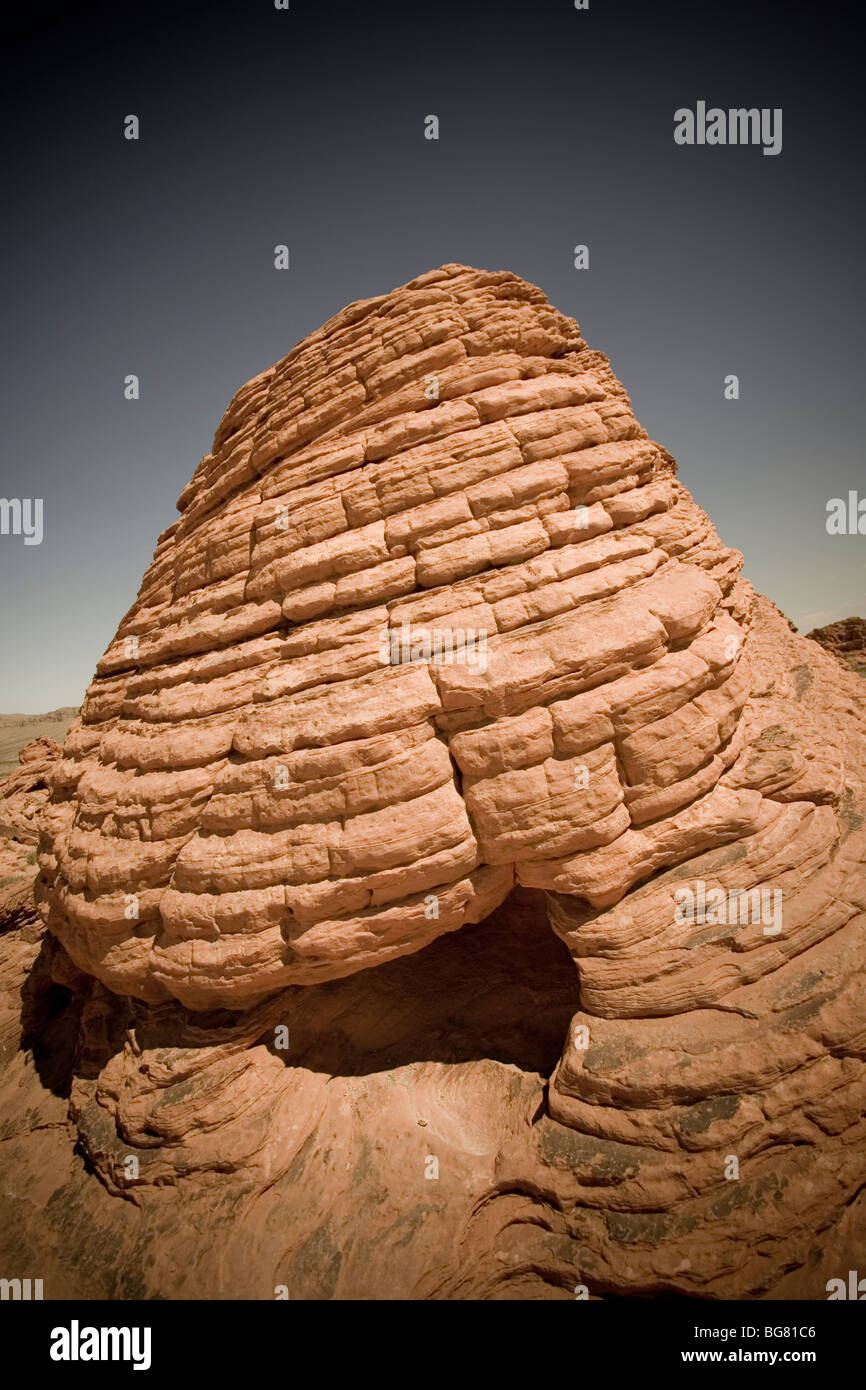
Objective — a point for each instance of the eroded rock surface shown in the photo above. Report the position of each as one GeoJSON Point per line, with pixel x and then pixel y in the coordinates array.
{"type": "Point", "coordinates": [263, 787]}
{"type": "Point", "coordinates": [845, 639]}
{"type": "Point", "coordinates": [439, 639]}
{"type": "Point", "coordinates": [23, 795]}
{"type": "Point", "coordinates": [25, 791]}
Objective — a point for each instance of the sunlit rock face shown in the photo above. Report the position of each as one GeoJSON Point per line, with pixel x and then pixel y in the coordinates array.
{"type": "Point", "coordinates": [436, 617]}
{"type": "Point", "coordinates": [438, 622]}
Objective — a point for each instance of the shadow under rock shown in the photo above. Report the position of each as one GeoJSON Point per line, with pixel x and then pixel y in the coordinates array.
{"type": "Point", "coordinates": [505, 989]}
{"type": "Point", "coordinates": [50, 1021]}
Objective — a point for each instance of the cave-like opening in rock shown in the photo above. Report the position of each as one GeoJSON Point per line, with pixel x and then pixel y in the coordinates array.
{"type": "Point", "coordinates": [505, 988]}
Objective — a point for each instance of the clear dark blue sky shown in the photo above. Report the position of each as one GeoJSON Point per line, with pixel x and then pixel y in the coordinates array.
{"type": "Point", "coordinates": [261, 126]}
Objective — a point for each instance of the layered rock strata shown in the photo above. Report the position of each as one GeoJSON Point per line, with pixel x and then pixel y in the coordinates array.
{"type": "Point", "coordinates": [25, 791]}
{"type": "Point", "coordinates": [23, 795]}
{"type": "Point", "coordinates": [438, 619]}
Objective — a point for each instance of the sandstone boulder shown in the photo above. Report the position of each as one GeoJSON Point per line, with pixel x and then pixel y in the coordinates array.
{"type": "Point", "coordinates": [431, 577]}
{"type": "Point", "coordinates": [440, 642]}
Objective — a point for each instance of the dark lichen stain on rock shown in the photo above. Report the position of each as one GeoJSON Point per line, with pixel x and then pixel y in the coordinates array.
{"type": "Point", "coordinates": [316, 1267]}
{"type": "Point", "coordinates": [803, 678]}
{"type": "Point", "coordinates": [745, 1194]}
{"type": "Point", "coordinates": [593, 1161]}
{"type": "Point", "coordinates": [801, 1013]}
{"type": "Point", "coordinates": [631, 1228]}
{"type": "Point", "coordinates": [413, 1220]}
{"type": "Point", "coordinates": [699, 1117]}
{"type": "Point", "coordinates": [851, 817]}
{"type": "Point", "coordinates": [774, 736]}
{"type": "Point", "coordinates": [605, 1057]}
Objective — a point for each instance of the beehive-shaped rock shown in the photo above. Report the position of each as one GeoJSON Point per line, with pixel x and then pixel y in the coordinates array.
{"type": "Point", "coordinates": [436, 617]}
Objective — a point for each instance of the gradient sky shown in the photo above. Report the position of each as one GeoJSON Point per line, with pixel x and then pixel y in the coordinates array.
{"type": "Point", "coordinates": [307, 127]}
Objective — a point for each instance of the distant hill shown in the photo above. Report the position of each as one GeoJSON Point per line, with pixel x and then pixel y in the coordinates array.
{"type": "Point", "coordinates": [18, 729]}
{"type": "Point", "coordinates": [846, 640]}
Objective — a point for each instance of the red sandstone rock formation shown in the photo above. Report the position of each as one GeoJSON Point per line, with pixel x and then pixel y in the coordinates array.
{"type": "Point", "coordinates": [25, 790]}
{"type": "Point", "coordinates": [23, 795]}
{"type": "Point", "coordinates": [846, 639]}
{"type": "Point", "coordinates": [278, 801]}
{"type": "Point", "coordinates": [294, 767]}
